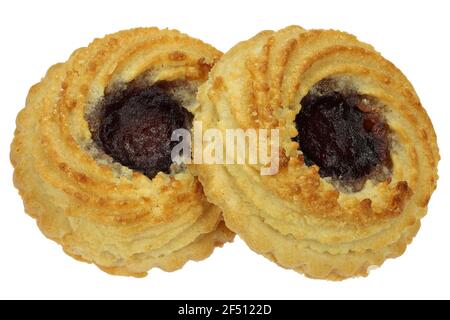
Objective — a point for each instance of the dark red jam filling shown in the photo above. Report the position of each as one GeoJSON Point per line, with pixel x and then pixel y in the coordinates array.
{"type": "Point", "coordinates": [136, 125]}
{"type": "Point", "coordinates": [344, 135]}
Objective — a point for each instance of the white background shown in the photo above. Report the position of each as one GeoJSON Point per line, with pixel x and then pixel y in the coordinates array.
{"type": "Point", "coordinates": [36, 34]}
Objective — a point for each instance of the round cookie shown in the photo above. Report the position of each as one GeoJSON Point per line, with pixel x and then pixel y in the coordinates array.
{"type": "Point", "coordinates": [358, 153]}
{"type": "Point", "coordinates": [90, 154]}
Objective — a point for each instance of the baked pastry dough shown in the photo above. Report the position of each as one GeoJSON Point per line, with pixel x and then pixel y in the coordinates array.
{"type": "Point", "coordinates": [67, 172]}
{"type": "Point", "coordinates": [358, 153]}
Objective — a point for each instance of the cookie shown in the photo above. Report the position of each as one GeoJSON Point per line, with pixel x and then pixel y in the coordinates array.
{"type": "Point", "coordinates": [92, 154]}
{"type": "Point", "coordinates": [357, 151]}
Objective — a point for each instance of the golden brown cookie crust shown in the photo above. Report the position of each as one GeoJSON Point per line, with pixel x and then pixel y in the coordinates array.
{"type": "Point", "coordinates": [98, 210]}
{"type": "Point", "coordinates": [296, 218]}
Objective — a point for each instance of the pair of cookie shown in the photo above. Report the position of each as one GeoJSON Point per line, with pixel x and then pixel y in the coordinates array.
{"type": "Point", "coordinates": [356, 152]}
